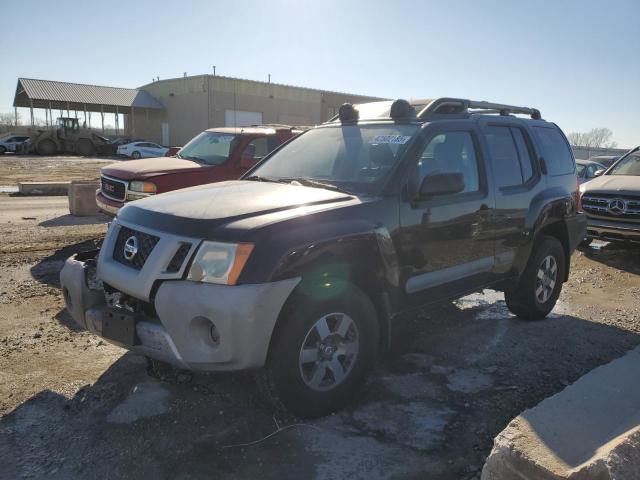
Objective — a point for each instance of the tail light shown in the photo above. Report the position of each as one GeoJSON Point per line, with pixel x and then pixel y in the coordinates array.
{"type": "Point", "coordinates": [578, 196]}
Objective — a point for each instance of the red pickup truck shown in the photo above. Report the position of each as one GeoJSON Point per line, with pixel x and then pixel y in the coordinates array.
{"type": "Point", "coordinates": [214, 155]}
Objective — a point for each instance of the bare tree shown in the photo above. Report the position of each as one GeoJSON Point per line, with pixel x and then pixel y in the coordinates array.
{"type": "Point", "coordinates": [9, 120]}
{"type": "Point", "coordinates": [594, 138]}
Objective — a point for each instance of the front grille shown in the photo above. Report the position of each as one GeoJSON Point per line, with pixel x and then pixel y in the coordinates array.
{"type": "Point", "coordinates": [146, 244]}
{"type": "Point", "coordinates": [113, 188]}
{"type": "Point", "coordinates": [179, 257]}
{"type": "Point", "coordinates": [600, 205]}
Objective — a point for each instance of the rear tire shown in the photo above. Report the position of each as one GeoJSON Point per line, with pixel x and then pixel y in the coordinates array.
{"type": "Point", "coordinates": [321, 353]}
{"type": "Point", "coordinates": [85, 148]}
{"type": "Point", "coordinates": [46, 147]}
{"type": "Point", "coordinates": [541, 282]}
{"type": "Point", "coordinates": [136, 155]}
{"type": "Point", "coordinates": [3, 150]}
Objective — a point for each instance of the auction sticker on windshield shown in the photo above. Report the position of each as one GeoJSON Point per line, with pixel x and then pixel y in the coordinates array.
{"type": "Point", "coordinates": [394, 139]}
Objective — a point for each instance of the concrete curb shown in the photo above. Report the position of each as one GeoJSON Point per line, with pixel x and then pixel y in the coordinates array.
{"type": "Point", "coordinates": [590, 430]}
{"type": "Point", "coordinates": [43, 188]}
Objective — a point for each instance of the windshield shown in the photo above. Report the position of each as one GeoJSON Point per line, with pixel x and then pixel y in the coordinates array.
{"type": "Point", "coordinates": [210, 148]}
{"type": "Point", "coordinates": [630, 165]}
{"type": "Point", "coordinates": [355, 157]}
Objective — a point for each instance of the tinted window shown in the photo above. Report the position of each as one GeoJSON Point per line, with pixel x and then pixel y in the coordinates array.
{"type": "Point", "coordinates": [257, 148]}
{"type": "Point", "coordinates": [555, 150]}
{"type": "Point", "coordinates": [523, 154]}
{"type": "Point", "coordinates": [274, 141]}
{"type": "Point", "coordinates": [451, 152]}
{"type": "Point", "coordinates": [504, 156]}
{"type": "Point", "coordinates": [580, 169]}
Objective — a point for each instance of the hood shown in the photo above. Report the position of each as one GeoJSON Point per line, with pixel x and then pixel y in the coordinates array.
{"type": "Point", "coordinates": [201, 209]}
{"type": "Point", "coordinates": [622, 184]}
{"type": "Point", "coordinates": [148, 167]}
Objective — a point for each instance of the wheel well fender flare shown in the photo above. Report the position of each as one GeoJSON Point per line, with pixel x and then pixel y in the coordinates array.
{"type": "Point", "coordinates": [367, 260]}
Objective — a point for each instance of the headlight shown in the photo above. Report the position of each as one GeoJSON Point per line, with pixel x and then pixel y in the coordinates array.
{"type": "Point", "coordinates": [143, 187]}
{"type": "Point", "coordinates": [218, 262]}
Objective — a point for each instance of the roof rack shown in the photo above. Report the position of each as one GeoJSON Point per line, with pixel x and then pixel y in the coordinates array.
{"type": "Point", "coordinates": [460, 107]}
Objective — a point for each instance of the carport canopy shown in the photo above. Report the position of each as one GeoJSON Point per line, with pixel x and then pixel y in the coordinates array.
{"type": "Point", "coordinates": [53, 95]}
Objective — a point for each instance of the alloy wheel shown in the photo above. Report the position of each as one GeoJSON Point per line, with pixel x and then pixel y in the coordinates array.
{"type": "Point", "coordinates": [329, 351]}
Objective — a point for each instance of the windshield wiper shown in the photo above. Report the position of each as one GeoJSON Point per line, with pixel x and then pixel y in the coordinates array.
{"type": "Point", "coordinates": [307, 182]}
{"type": "Point", "coordinates": [195, 159]}
{"type": "Point", "coordinates": [258, 178]}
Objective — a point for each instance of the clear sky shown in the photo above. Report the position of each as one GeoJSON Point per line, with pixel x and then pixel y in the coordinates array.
{"type": "Point", "coordinates": [577, 61]}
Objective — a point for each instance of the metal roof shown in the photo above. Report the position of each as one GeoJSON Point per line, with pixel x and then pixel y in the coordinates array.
{"type": "Point", "coordinates": [78, 96]}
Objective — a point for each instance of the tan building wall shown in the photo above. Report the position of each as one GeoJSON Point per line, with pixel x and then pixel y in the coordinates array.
{"type": "Point", "coordinates": [193, 104]}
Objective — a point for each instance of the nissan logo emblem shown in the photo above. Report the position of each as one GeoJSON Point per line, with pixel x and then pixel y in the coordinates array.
{"type": "Point", "coordinates": [130, 248]}
{"type": "Point", "coordinates": [617, 206]}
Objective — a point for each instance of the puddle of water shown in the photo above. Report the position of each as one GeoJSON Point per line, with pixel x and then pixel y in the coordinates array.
{"type": "Point", "coordinates": [416, 424]}
{"type": "Point", "coordinates": [486, 297]}
{"type": "Point", "coordinates": [8, 189]}
{"type": "Point", "coordinates": [469, 381]}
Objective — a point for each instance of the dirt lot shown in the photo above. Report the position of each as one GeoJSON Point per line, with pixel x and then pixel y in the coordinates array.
{"type": "Point", "coordinates": [25, 168]}
{"type": "Point", "coordinates": [75, 407]}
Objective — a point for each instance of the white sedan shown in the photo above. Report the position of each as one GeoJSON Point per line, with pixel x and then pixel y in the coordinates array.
{"type": "Point", "coordinates": [142, 150]}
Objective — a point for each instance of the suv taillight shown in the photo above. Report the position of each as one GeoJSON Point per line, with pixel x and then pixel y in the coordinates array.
{"type": "Point", "coordinates": [578, 196]}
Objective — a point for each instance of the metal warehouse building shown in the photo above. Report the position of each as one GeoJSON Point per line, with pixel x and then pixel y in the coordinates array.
{"type": "Point", "coordinates": [172, 111]}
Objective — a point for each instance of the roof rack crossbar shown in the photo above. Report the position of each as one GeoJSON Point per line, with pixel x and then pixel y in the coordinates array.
{"type": "Point", "coordinates": [460, 106]}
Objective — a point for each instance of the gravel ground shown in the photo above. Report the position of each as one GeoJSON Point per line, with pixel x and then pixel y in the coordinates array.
{"type": "Point", "coordinates": [27, 168]}
{"type": "Point", "coordinates": [73, 406]}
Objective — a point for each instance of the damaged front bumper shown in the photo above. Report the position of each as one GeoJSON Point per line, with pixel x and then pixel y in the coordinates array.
{"type": "Point", "coordinates": [197, 326]}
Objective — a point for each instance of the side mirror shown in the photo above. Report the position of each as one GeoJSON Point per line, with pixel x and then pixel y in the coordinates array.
{"type": "Point", "coordinates": [445, 183]}
{"type": "Point", "coordinates": [247, 161]}
{"type": "Point", "coordinates": [598, 173]}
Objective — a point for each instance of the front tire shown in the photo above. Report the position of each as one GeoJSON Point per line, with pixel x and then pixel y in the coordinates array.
{"type": "Point", "coordinates": [322, 352]}
{"type": "Point", "coordinates": [136, 155]}
{"type": "Point", "coordinates": [46, 147]}
{"type": "Point", "coordinates": [541, 282]}
{"type": "Point", "coordinates": [85, 148]}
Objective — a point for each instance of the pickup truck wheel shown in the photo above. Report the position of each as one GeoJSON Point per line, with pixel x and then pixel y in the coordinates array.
{"type": "Point", "coordinates": [136, 155]}
{"type": "Point", "coordinates": [541, 282]}
{"type": "Point", "coordinates": [322, 353]}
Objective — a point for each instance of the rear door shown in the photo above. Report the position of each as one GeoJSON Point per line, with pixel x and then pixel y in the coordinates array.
{"type": "Point", "coordinates": [445, 243]}
{"type": "Point", "coordinates": [517, 179]}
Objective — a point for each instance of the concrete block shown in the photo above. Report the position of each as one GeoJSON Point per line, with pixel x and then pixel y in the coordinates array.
{"type": "Point", "coordinates": [43, 188]}
{"type": "Point", "coordinates": [590, 430]}
{"type": "Point", "coordinates": [82, 198]}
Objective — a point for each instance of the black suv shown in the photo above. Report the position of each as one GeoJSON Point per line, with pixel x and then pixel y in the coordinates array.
{"type": "Point", "coordinates": [299, 269]}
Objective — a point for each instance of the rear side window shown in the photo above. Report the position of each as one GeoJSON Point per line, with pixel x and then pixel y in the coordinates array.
{"type": "Point", "coordinates": [510, 155]}
{"type": "Point", "coordinates": [555, 150]}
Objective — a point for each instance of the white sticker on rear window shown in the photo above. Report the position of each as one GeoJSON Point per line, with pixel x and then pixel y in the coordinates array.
{"type": "Point", "coordinates": [395, 139]}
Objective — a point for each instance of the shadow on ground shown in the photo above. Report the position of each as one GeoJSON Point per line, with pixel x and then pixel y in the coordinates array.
{"type": "Point", "coordinates": [47, 270]}
{"type": "Point", "coordinates": [622, 256]}
{"type": "Point", "coordinates": [456, 376]}
{"type": "Point", "coordinates": [72, 220]}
